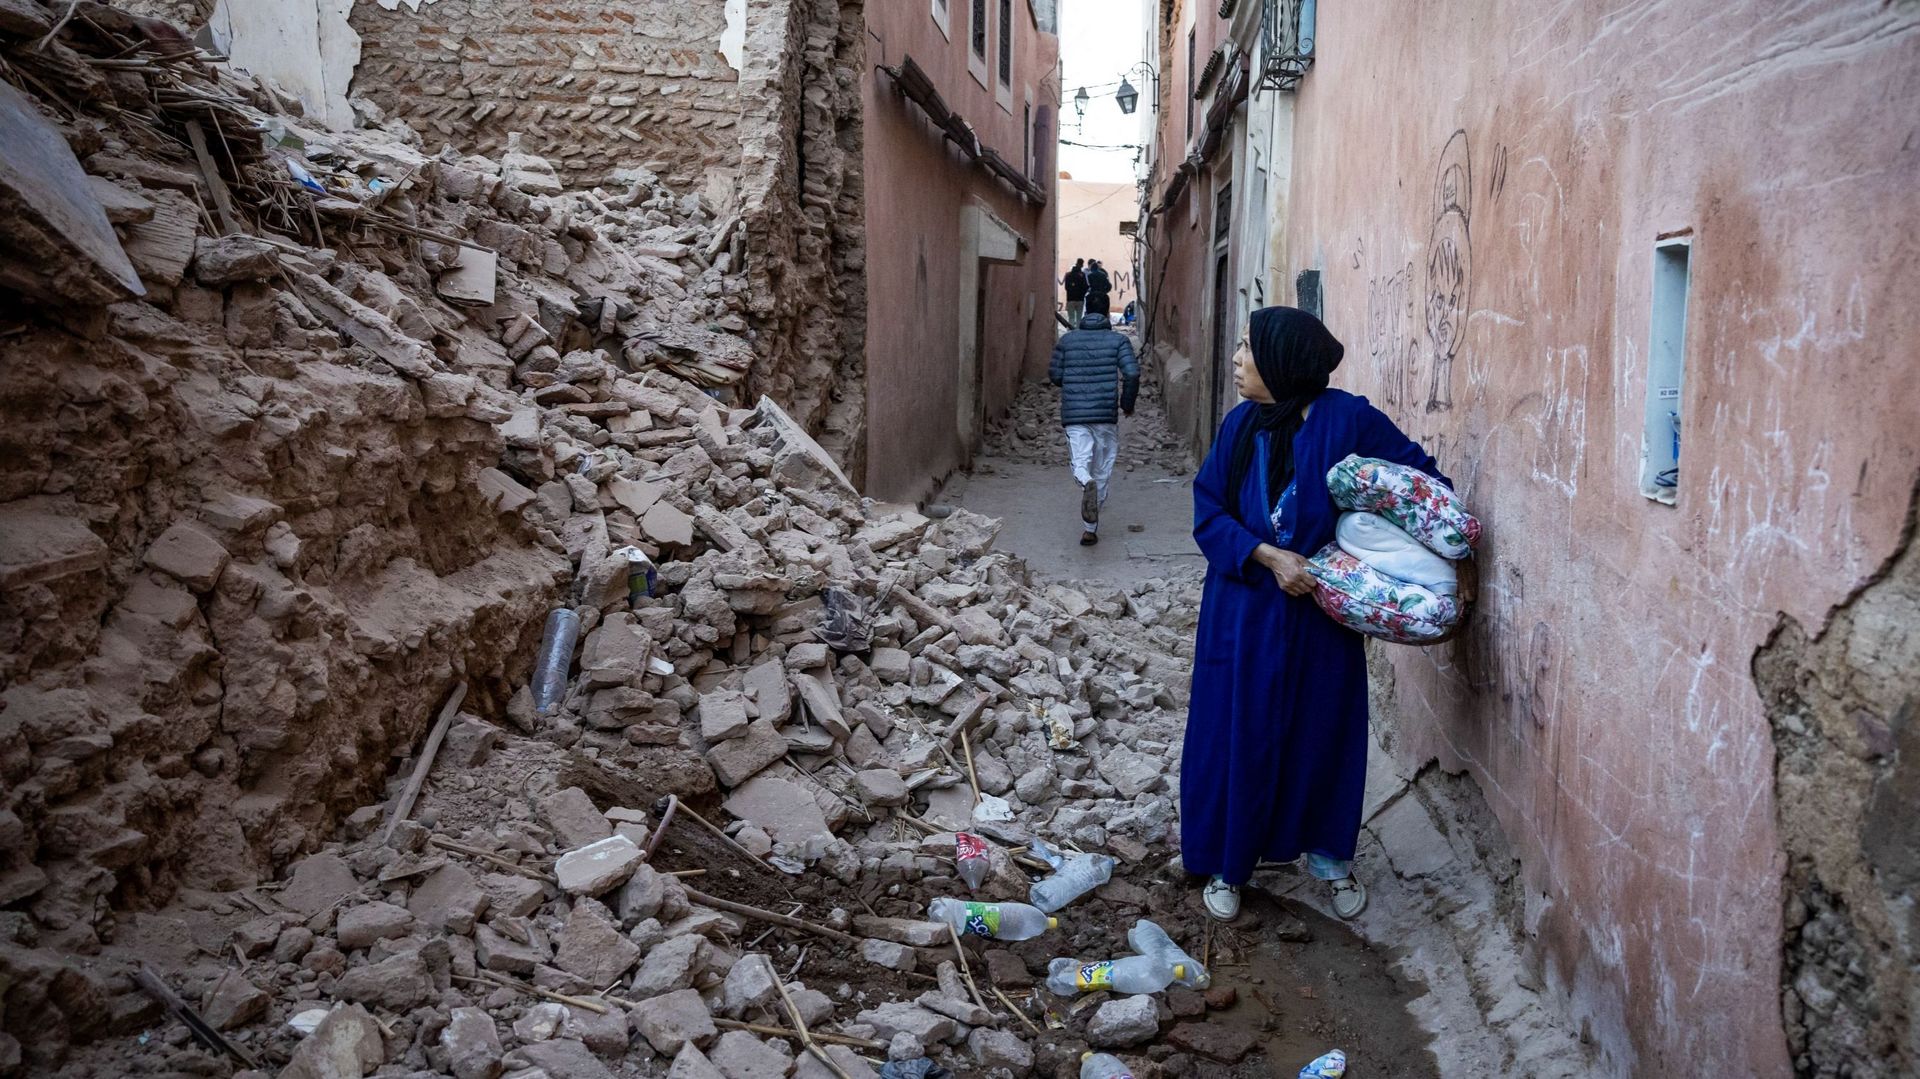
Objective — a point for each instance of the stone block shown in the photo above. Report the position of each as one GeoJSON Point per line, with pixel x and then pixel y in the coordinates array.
{"type": "Point", "coordinates": [672, 1021]}
{"type": "Point", "coordinates": [597, 867]}
{"type": "Point", "coordinates": [1123, 1022]}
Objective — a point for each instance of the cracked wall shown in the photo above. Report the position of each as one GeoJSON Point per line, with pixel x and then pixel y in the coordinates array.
{"type": "Point", "coordinates": [1840, 701]}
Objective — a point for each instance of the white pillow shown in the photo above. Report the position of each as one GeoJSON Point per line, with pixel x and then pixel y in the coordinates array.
{"type": "Point", "coordinates": [1388, 548]}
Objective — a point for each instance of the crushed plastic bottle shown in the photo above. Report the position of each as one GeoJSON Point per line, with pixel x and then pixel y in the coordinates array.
{"type": "Point", "coordinates": [971, 854]}
{"type": "Point", "coordinates": [555, 660]}
{"type": "Point", "coordinates": [1149, 939]}
{"type": "Point", "coordinates": [1073, 876]}
{"type": "Point", "coordinates": [1103, 1066]}
{"type": "Point", "coordinates": [995, 921]}
{"type": "Point", "coordinates": [1134, 974]}
{"type": "Point", "coordinates": [641, 575]}
{"type": "Point", "coordinates": [1331, 1066]}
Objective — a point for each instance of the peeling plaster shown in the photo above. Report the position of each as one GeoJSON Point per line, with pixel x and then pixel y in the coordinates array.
{"type": "Point", "coordinates": [304, 46]}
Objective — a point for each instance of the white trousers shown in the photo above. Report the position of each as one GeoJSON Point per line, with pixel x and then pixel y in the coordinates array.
{"type": "Point", "coordinates": [1094, 447]}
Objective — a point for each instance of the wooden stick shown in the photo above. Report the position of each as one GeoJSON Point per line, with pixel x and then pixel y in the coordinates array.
{"type": "Point", "coordinates": [489, 978]}
{"type": "Point", "coordinates": [222, 198]}
{"type": "Point", "coordinates": [488, 856]}
{"type": "Point", "coordinates": [404, 805]}
{"type": "Point", "coordinates": [800, 1024]}
{"type": "Point", "coordinates": [685, 873]}
{"type": "Point", "coordinates": [782, 1032]}
{"type": "Point", "coordinates": [727, 839]}
{"type": "Point", "coordinates": [1015, 1009]}
{"type": "Point", "coordinates": [966, 970]}
{"type": "Point", "coordinates": [973, 777]}
{"type": "Point", "coordinates": [746, 911]}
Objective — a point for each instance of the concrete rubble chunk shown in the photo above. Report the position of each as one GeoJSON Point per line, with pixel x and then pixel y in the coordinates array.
{"type": "Point", "coordinates": [723, 715]}
{"type": "Point", "coordinates": [911, 931]}
{"type": "Point", "coordinates": [511, 895]}
{"type": "Point", "coordinates": [672, 1021]}
{"type": "Point", "coordinates": [881, 787]}
{"type": "Point", "coordinates": [670, 966]}
{"type": "Point", "coordinates": [782, 808]}
{"type": "Point", "coordinates": [399, 983]}
{"type": "Point", "coordinates": [227, 260]}
{"type": "Point", "coordinates": [748, 985]}
{"type": "Point", "coordinates": [666, 525]}
{"type": "Point", "coordinates": [1130, 773]}
{"type": "Point", "coordinates": [362, 926]}
{"type": "Point", "coordinates": [642, 895]}
{"type": "Point", "coordinates": [691, 1063]}
{"type": "Point", "coordinates": [597, 867]}
{"type": "Point", "coordinates": [472, 1042]}
{"type": "Point", "coordinates": [233, 1002]}
{"type": "Point", "coordinates": [886, 953]}
{"type": "Point", "coordinates": [992, 1049]}
{"type": "Point", "coordinates": [318, 882]}
{"type": "Point", "coordinates": [739, 759]}
{"type": "Point", "coordinates": [347, 1044]}
{"type": "Point", "coordinates": [821, 699]}
{"type": "Point", "coordinates": [560, 1057]}
{"type": "Point", "coordinates": [189, 554]}
{"type": "Point", "coordinates": [540, 1021]}
{"type": "Point", "coordinates": [592, 946]}
{"type": "Point", "coordinates": [1123, 1022]}
{"type": "Point", "coordinates": [767, 684]}
{"type": "Point", "coordinates": [958, 1009]}
{"type": "Point", "coordinates": [38, 546]}
{"type": "Point", "coordinates": [899, 1017]}
{"type": "Point", "coordinates": [742, 1055]}
{"type": "Point", "coordinates": [56, 243]}
{"type": "Point", "coordinates": [575, 820]}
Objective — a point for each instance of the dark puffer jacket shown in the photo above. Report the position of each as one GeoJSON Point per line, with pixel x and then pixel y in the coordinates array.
{"type": "Point", "coordinates": [1096, 372]}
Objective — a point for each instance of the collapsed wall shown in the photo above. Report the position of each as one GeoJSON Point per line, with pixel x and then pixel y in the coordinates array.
{"type": "Point", "coordinates": [753, 108]}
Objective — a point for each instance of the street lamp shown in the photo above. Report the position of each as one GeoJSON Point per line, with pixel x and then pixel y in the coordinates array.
{"type": "Point", "coordinates": [1127, 96]}
{"type": "Point", "coordinates": [1080, 102]}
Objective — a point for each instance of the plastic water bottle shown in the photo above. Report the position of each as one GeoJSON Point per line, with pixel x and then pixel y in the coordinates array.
{"type": "Point", "coordinates": [1149, 939]}
{"type": "Point", "coordinates": [1331, 1066]}
{"type": "Point", "coordinates": [1103, 1066]}
{"type": "Point", "coordinates": [1134, 974]}
{"type": "Point", "coordinates": [970, 853]}
{"type": "Point", "coordinates": [1072, 877]}
{"type": "Point", "coordinates": [995, 921]}
{"type": "Point", "coordinates": [640, 574]}
{"type": "Point", "coordinates": [555, 660]}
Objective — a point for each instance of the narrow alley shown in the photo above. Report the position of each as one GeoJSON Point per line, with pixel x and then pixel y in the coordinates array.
{"type": "Point", "coordinates": [564, 540]}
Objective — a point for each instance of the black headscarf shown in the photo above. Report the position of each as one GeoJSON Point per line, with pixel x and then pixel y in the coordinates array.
{"type": "Point", "coordinates": [1295, 355]}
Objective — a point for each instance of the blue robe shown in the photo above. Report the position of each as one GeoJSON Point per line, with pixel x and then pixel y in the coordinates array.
{"type": "Point", "coordinates": [1275, 760]}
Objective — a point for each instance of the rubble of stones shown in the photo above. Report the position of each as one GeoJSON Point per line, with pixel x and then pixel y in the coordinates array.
{"type": "Point", "coordinates": [599, 338]}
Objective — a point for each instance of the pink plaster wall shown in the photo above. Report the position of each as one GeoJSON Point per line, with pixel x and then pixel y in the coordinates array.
{"type": "Point", "coordinates": [1090, 217]}
{"type": "Point", "coordinates": [1603, 701]}
{"type": "Point", "coordinates": [916, 186]}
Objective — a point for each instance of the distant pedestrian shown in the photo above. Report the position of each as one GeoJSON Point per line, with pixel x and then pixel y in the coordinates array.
{"type": "Point", "coordinates": [1076, 283]}
{"type": "Point", "coordinates": [1098, 378]}
{"type": "Point", "coordinates": [1098, 284]}
{"type": "Point", "coordinates": [1275, 757]}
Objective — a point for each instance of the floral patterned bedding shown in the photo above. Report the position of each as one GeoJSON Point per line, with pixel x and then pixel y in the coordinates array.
{"type": "Point", "coordinates": [1365, 600]}
{"type": "Point", "coordinates": [1426, 508]}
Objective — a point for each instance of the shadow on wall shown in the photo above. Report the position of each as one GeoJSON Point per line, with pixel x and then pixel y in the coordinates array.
{"type": "Point", "coordinates": [1841, 706]}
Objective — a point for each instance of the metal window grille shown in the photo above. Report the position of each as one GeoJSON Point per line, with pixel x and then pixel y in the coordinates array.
{"type": "Point", "coordinates": [979, 38]}
{"type": "Point", "coordinates": [1285, 55]}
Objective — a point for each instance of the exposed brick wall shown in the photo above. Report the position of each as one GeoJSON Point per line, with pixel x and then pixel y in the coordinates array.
{"type": "Point", "coordinates": [590, 86]}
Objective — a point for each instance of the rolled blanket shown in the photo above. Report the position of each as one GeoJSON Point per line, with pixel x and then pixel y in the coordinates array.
{"type": "Point", "coordinates": [1365, 600]}
{"type": "Point", "coordinates": [1427, 509]}
{"type": "Point", "coordinates": [1386, 547]}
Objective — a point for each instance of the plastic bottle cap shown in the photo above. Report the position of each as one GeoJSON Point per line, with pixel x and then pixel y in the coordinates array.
{"type": "Point", "coordinates": [1179, 970]}
{"type": "Point", "coordinates": [1086, 1056]}
{"type": "Point", "coordinates": [1053, 923]}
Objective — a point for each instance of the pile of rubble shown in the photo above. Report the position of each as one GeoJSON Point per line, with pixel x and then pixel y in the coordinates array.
{"type": "Point", "coordinates": [375, 410]}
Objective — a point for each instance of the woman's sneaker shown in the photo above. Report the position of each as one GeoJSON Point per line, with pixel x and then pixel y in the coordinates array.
{"type": "Point", "coordinates": [1221, 899]}
{"type": "Point", "coordinates": [1349, 897]}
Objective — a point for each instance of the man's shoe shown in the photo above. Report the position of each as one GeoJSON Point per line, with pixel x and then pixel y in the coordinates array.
{"type": "Point", "coordinates": [1088, 539]}
{"type": "Point", "coordinates": [1221, 899]}
{"type": "Point", "coordinates": [1090, 503]}
{"type": "Point", "coordinates": [1349, 897]}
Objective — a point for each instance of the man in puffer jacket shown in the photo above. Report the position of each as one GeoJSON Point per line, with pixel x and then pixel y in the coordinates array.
{"type": "Point", "coordinates": [1098, 379]}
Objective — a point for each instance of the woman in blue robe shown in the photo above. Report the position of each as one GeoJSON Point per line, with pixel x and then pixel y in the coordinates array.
{"type": "Point", "coordinates": [1275, 757]}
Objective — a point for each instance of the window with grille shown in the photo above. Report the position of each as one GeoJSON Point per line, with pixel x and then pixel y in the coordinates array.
{"type": "Point", "coordinates": [979, 34]}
